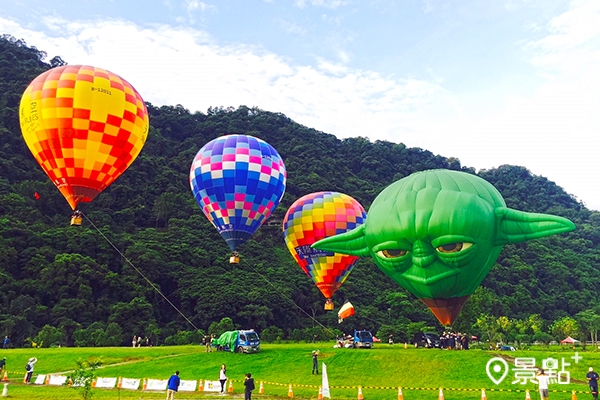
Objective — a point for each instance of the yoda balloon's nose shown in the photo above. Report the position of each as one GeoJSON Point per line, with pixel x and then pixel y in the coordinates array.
{"type": "Point", "coordinates": [423, 254]}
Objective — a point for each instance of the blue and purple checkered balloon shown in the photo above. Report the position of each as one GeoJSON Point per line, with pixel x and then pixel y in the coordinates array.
{"type": "Point", "coordinates": [238, 180]}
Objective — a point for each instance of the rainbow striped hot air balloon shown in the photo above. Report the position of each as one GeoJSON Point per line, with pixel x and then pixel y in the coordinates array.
{"type": "Point", "coordinates": [84, 126]}
{"type": "Point", "coordinates": [315, 217]}
{"type": "Point", "coordinates": [238, 180]}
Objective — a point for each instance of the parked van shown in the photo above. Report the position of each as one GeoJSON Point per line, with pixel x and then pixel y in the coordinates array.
{"type": "Point", "coordinates": [363, 339]}
{"type": "Point", "coordinates": [427, 339]}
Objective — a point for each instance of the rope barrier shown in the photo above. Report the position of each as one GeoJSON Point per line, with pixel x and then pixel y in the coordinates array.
{"type": "Point", "coordinates": [395, 388]}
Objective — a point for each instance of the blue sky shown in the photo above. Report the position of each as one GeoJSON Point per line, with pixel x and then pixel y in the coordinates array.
{"type": "Point", "coordinates": [489, 82]}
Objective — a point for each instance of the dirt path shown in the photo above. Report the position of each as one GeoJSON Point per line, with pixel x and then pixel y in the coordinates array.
{"type": "Point", "coordinates": [126, 362]}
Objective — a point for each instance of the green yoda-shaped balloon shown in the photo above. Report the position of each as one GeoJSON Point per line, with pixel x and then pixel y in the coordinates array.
{"type": "Point", "coordinates": [437, 233]}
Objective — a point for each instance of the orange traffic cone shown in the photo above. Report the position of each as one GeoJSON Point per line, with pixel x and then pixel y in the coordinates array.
{"type": "Point", "coordinates": [261, 389]}
{"type": "Point", "coordinates": [94, 383]}
{"type": "Point", "coordinates": [145, 384]}
{"type": "Point", "coordinates": [5, 379]}
{"type": "Point", "coordinates": [441, 395]}
{"type": "Point", "coordinates": [527, 395]}
{"type": "Point", "coordinates": [120, 382]}
{"type": "Point", "coordinates": [360, 394]}
{"type": "Point", "coordinates": [573, 395]}
{"type": "Point", "coordinates": [230, 390]}
{"type": "Point", "coordinates": [25, 378]}
{"type": "Point", "coordinates": [483, 396]}
{"type": "Point", "coordinates": [290, 392]}
{"type": "Point", "coordinates": [400, 395]}
{"type": "Point", "coordinates": [320, 397]}
{"type": "Point", "coordinates": [200, 385]}
{"type": "Point", "coordinates": [70, 381]}
{"type": "Point", "coordinates": [47, 379]}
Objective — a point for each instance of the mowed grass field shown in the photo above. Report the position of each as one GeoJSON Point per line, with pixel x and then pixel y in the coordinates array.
{"type": "Point", "coordinates": [379, 371]}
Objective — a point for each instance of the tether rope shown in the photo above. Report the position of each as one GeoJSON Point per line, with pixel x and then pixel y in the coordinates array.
{"type": "Point", "coordinates": [282, 295]}
{"type": "Point", "coordinates": [140, 272]}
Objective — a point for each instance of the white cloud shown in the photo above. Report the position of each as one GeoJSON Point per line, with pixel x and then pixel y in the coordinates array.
{"type": "Point", "coordinates": [320, 3]}
{"type": "Point", "coordinates": [429, 6]}
{"type": "Point", "coordinates": [552, 131]}
{"type": "Point", "coordinates": [573, 42]}
{"type": "Point", "coordinates": [193, 5]}
{"type": "Point", "coordinates": [184, 66]}
{"type": "Point", "coordinates": [291, 27]}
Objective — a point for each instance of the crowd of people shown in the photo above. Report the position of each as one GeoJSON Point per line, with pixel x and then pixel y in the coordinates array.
{"type": "Point", "coordinates": [454, 341]}
{"type": "Point", "coordinates": [346, 341]}
{"type": "Point", "coordinates": [207, 341]}
{"type": "Point", "coordinates": [137, 341]}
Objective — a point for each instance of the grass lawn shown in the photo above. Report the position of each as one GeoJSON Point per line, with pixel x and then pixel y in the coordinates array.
{"type": "Point", "coordinates": [379, 371]}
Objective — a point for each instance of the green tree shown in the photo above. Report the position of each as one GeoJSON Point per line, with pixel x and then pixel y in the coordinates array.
{"type": "Point", "coordinates": [49, 336]}
{"type": "Point", "coordinates": [271, 334]}
{"type": "Point", "coordinates": [84, 375]}
{"type": "Point", "coordinates": [224, 325]}
{"type": "Point", "coordinates": [488, 325]}
{"type": "Point", "coordinates": [589, 323]}
{"type": "Point", "coordinates": [563, 327]}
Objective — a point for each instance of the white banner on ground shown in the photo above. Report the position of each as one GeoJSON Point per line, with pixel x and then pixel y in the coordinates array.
{"type": "Point", "coordinates": [106, 382]}
{"type": "Point", "coordinates": [128, 383]}
{"type": "Point", "coordinates": [40, 380]}
{"type": "Point", "coordinates": [57, 380]}
{"type": "Point", "coordinates": [325, 382]}
{"type": "Point", "coordinates": [78, 383]}
{"type": "Point", "coordinates": [212, 386]}
{"type": "Point", "coordinates": [187, 386]}
{"type": "Point", "coordinates": [156, 384]}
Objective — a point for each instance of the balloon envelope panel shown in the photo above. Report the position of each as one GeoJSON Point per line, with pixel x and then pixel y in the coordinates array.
{"type": "Point", "coordinates": [238, 180]}
{"type": "Point", "coordinates": [84, 126]}
{"type": "Point", "coordinates": [312, 218]}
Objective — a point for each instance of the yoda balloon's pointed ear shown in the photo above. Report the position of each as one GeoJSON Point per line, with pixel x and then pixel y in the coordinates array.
{"type": "Point", "coordinates": [352, 242]}
{"type": "Point", "coordinates": [517, 226]}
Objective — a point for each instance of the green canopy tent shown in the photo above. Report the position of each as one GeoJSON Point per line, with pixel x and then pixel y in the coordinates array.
{"type": "Point", "coordinates": [228, 340]}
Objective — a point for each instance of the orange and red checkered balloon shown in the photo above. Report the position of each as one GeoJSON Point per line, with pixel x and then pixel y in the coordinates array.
{"type": "Point", "coordinates": [314, 217]}
{"type": "Point", "coordinates": [84, 126]}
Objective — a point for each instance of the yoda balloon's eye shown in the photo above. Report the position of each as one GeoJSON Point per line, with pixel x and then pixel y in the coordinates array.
{"type": "Point", "coordinates": [453, 247]}
{"type": "Point", "coordinates": [392, 253]}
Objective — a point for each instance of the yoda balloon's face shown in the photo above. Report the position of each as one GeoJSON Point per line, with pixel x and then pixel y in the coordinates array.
{"type": "Point", "coordinates": [437, 233]}
{"type": "Point", "coordinates": [442, 248]}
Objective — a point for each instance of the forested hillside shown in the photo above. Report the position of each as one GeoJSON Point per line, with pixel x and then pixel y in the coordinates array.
{"type": "Point", "coordinates": [69, 285]}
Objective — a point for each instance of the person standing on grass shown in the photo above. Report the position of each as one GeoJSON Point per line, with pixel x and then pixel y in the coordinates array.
{"type": "Point", "coordinates": [223, 377]}
{"type": "Point", "coordinates": [249, 384]}
{"type": "Point", "coordinates": [542, 380]}
{"type": "Point", "coordinates": [29, 369]}
{"type": "Point", "coordinates": [173, 385]}
{"type": "Point", "coordinates": [315, 358]}
{"type": "Point", "coordinates": [592, 378]}
{"type": "Point", "coordinates": [208, 343]}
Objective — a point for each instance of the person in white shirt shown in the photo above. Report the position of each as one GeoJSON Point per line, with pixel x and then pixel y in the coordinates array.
{"type": "Point", "coordinates": [542, 380]}
{"type": "Point", "coordinates": [29, 369]}
{"type": "Point", "coordinates": [223, 377]}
